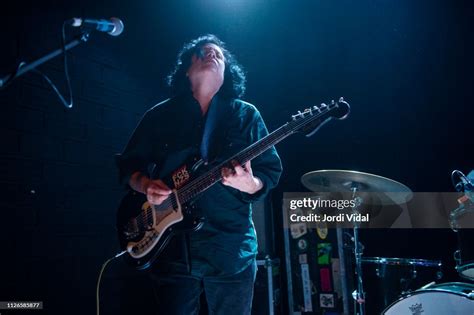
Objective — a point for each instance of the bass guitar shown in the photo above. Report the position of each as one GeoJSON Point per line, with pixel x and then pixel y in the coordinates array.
{"type": "Point", "coordinates": [145, 229]}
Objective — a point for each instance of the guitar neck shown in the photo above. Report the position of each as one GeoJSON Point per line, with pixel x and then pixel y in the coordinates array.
{"type": "Point", "coordinates": [205, 181]}
{"type": "Point", "coordinates": [313, 118]}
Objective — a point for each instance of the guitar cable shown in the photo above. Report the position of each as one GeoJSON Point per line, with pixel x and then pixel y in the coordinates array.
{"type": "Point", "coordinates": [100, 277]}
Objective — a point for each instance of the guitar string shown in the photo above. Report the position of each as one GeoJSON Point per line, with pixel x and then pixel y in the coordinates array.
{"type": "Point", "coordinates": [206, 180]}
{"type": "Point", "coordinates": [209, 179]}
{"type": "Point", "coordinates": [215, 175]}
{"type": "Point", "coordinates": [251, 149]}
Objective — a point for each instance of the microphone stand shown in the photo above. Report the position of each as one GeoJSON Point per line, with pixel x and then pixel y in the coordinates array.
{"type": "Point", "coordinates": [24, 68]}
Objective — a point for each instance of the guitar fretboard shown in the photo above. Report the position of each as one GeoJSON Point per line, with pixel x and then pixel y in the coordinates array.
{"type": "Point", "coordinates": [205, 181]}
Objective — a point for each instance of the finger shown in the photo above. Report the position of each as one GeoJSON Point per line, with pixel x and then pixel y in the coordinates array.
{"type": "Point", "coordinates": [160, 199]}
{"type": "Point", "coordinates": [226, 172]}
{"type": "Point", "coordinates": [156, 189]}
{"type": "Point", "coordinates": [151, 199]}
{"type": "Point", "coordinates": [162, 185]}
{"type": "Point", "coordinates": [239, 170]}
{"type": "Point", "coordinates": [156, 199]}
{"type": "Point", "coordinates": [248, 166]}
{"type": "Point", "coordinates": [227, 180]}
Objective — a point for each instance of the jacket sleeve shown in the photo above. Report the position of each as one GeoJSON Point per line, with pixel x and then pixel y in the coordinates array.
{"type": "Point", "coordinates": [266, 166]}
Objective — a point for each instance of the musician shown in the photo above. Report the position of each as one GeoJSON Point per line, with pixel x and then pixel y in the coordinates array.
{"type": "Point", "coordinates": [204, 117]}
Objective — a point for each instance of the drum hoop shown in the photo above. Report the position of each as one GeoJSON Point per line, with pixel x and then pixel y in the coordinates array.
{"type": "Point", "coordinates": [463, 267]}
{"type": "Point", "coordinates": [433, 290]}
{"type": "Point", "coordinates": [402, 261]}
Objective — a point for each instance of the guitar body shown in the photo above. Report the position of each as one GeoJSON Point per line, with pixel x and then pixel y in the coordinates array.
{"type": "Point", "coordinates": [144, 230]}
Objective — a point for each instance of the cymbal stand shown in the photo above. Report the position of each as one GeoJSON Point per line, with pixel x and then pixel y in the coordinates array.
{"type": "Point", "coordinates": [358, 295]}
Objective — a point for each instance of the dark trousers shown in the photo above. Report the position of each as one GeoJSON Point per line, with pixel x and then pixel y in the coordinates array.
{"type": "Point", "coordinates": [179, 294]}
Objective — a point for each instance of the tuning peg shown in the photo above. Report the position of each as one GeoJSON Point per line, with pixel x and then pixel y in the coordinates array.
{"type": "Point", "coordinates": [332, 102]}
{"type": "Point", "coordinates": [298, 115]}
{"type": "Point", "coordinates": [341, 99]}
{"type": "Point", "coordinates": [323, 106]}
{"type": "Point", "coordinates": [315, 107]}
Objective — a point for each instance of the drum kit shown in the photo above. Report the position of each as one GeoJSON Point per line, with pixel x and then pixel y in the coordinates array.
{"type": "Point", "coordinates": [398, 285]}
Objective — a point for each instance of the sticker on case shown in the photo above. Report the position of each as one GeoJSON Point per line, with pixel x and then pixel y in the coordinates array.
{"type": "Point", "coordinates": [303, 258]}
{"type": "Point", "coordinates": [302, 244]}
{"type": "Point", "coordinates": [322, 230]}
{"type": "Point", "coordinates": [308, 305]}
{"type": "Point", "coordinates": [325, 280]}
{"type": "Point", "coordinates": [324, 253]}
{"type": "Point", "coordinates": [298, 229]}
{"type": "Point", "coordinates": [326, 300]}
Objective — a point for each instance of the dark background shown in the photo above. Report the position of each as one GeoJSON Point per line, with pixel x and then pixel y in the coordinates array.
{"type": "Point", "coordinates": [405, 67]}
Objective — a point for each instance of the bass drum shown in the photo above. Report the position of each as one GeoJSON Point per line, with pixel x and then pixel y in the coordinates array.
{"type": "Point", "coordinates": [386, 279]}
{"type": "Point", "coordinates": [454, 298]}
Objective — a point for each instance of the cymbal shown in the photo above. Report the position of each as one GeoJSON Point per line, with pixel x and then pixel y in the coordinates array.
{"type": "Point", "coordinates": [388, 191]}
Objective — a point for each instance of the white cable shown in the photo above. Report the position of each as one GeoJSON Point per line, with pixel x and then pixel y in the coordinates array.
{"type": "Point", "coordinates": [100, 277]}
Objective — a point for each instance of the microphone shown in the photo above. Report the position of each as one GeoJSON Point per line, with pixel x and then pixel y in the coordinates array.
{"type": "Point", "coordinates": [112, 26]}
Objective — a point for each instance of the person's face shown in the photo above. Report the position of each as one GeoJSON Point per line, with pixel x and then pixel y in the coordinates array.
{"type": "Point", "coordinates": [208, 64]}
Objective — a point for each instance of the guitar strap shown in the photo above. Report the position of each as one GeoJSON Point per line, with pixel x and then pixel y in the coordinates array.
{"type": "Point", "coordinates": [216, 126]}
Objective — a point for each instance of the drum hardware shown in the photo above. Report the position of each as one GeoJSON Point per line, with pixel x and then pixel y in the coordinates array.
{"type": "Point", "coordinates": [384, 192]}
{"type": "Point", "coordinates": [464, 256]}
{"type": "Point", "coordinates": [358, 295]}
{"type": "Point", "coordinates": [428, 285]}
{"type": "Point", "coordinates": [465, 207]}
{"type": "Point", "coordinates": [464, 183]}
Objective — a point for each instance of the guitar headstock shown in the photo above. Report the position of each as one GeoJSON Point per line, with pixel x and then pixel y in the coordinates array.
{"type": "Point", "coordinates": [312, 118]}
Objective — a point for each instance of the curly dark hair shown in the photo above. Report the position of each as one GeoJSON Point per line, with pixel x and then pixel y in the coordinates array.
{"type": "Point", "coordinates": [234, 76]}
